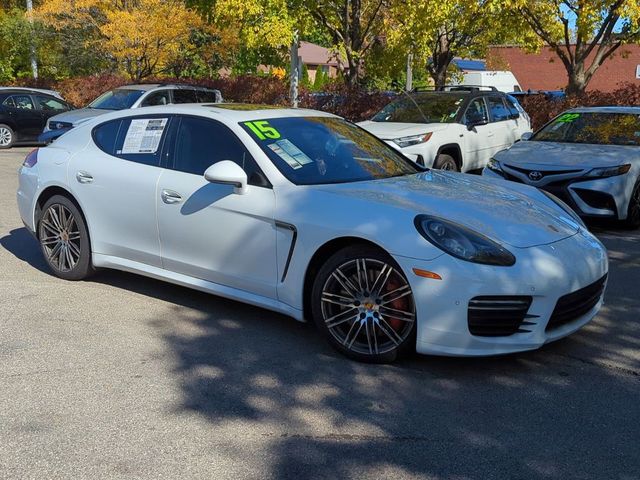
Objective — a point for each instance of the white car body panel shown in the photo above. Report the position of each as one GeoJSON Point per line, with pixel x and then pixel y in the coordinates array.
{"type": "Point", "coordinates": [257, 247]}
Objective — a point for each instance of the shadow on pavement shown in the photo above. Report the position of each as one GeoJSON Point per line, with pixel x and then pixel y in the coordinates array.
{"type": "Point", "coordinates": [21, 243]}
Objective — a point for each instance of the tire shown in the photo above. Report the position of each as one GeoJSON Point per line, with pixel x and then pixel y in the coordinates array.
{"type": "Point", "coordinates": [351, 310]}
{"type": "Point", "coordinates": [64, 239]}
{"type": "Point", "coordinates": [446, 162]}
{"type": "Point", "coordinates": [632, 221]}
{"type": "Point", "coordinates": [7, 136]}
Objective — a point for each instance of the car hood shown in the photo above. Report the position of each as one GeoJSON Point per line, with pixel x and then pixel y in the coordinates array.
{"type": "Point", "coordinates": [541, 155]}
{"type": "Point", "coordinates": [76, 117]}
{"type": "Point", "coordinates": [516, 214]}
{"type": "Point", "coordinates": [391, 130]}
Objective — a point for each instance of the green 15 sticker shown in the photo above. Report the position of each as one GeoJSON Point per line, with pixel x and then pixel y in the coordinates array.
{"type": "Point", "coordinates": [263, 130]}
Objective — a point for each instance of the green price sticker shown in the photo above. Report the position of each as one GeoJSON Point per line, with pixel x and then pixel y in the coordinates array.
{"type": "Point", "coordinates": [263, 130]}
{"type": "Point", "coordinates": [568, 117]}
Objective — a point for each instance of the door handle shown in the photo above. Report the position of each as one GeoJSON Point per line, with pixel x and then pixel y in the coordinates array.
{"type": "Point", "coordinates": [84, 177]}
{"type": "Point", "coordinates": [169, 196]}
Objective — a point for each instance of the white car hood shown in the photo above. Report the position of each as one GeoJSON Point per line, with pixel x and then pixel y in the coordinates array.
{"type": "Point", "coordinates": [541, 155]}
{"type": "Point", "coordinates": [391, 130]}
{"type": "Point", "coordinates": [516, 214]}
{"type": "Point", "coordinates": [76, 117]}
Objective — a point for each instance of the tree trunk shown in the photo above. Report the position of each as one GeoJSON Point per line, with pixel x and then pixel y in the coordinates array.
{"type": "Point", "coordinates": [578, 80]}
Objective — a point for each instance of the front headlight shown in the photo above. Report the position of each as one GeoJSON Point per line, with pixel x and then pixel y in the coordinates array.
{"type": "Point", "coordinates": [608, 171]}
{"type": "Point", "coordinates": [462, 242]}
{"type": "Point", "coordinates": [412, 140]}
{"type": "Point", "coordinates": [494, 166]}
{"type": "Point", "coordinates": [564, 207]}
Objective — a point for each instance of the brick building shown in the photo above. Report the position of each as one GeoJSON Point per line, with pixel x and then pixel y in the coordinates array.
{"type": "Point", "coordinates": [545, 71]}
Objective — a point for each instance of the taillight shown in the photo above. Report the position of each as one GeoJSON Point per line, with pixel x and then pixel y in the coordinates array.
{"type": "Point", "coordinates": [31, 159]}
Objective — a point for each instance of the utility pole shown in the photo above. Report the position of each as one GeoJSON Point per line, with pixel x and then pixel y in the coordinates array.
{"type": "Point", "coordinates": [409, 85]}
{"type": "Point", "coordinates": [34, 61]}
{"type": "Point", "coordinates": [295, 71]}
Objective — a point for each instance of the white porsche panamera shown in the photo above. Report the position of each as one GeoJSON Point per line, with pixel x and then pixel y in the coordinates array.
{"type": "Point", "coordinates": [301, 212]}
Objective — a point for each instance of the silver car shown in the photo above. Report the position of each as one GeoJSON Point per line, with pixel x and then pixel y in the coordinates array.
{"type": "Point", "coordinates": [133, 96]}
{"type": "Point", "coordinates": [588, 157]}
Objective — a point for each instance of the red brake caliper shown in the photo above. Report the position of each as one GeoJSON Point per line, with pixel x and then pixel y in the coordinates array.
{"type": "Point", "coordinates": [399, 304]}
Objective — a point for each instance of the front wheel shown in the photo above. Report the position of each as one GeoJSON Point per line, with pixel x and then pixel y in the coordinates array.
{"type": "Point", "coordinates": [446, 162]}
{"type": "Point", "coordinates": [633, 212]}
{"type": "Point", "coordinates": [64, 239]}
{"type": "Point", "coordinates": [364, 305]}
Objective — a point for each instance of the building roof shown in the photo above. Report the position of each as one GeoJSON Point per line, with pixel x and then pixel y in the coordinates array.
{"type": "Point", "coordinates": [313, 54]}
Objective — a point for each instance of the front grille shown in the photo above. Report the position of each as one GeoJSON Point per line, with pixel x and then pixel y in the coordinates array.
{"type": "Point", "coordinates": [574, 305]}
{"type": "Point", "coordinates": [543, 173]}
{"type": "Point", "coordinates": [498, 316]}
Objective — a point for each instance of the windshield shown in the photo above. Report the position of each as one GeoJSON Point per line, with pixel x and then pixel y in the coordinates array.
{"type": "Point", "coordinates": [319, 150]}
{"type": "Point", "coordinates": [433, 108]}
{"type": "Point", "coordinates": [118, 99]}
{"type": "Point", "coordinates": [592, 127]}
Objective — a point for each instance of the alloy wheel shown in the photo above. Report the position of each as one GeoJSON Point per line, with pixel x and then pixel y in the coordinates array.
{"type": "Point", "coordinates": [5, 137]}
{"type": "Point", "coordinates": [367, 306]}
{"type": "Point", "coordinates": [60, 238]}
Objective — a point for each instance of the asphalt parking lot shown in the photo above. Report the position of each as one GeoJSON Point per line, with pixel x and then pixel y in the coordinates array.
{"type": "Point", "coordinates": [127, 377]}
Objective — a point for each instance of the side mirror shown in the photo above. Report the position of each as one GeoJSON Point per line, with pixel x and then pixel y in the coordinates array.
{"type": "Point", "coordinates": [526, 136]}
{"type": "Point", "coordinates": [227, 172]}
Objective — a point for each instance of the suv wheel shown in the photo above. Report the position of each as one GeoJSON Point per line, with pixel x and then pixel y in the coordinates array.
{"type": "Point", "coordinates": [446, 162]}
{"type": "Point", "coordinates": [633, 212]}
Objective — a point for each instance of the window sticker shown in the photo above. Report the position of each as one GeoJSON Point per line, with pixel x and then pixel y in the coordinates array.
{"type": "Point", "coordinates": [263, 130]}
{"type": "Point", "coordinates": [291, 154]}
{"type": "Point", "coordinates": [143, 135]}
{"type": "Point", "coordinates": [568, 117]}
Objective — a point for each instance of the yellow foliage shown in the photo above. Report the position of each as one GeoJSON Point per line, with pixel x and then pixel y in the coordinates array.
{"type": "Point", "coordinates": [278, 72]}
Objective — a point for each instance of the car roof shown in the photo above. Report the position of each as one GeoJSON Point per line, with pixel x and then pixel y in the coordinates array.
{"type": "Point", "coordinates": [27, 90]}
{"type": "Point", "coordinates": [235, 112]}
{"type": "Point", "coordinates": [608, 109]}
{"type": "Point", "coordinates": [150, 86]}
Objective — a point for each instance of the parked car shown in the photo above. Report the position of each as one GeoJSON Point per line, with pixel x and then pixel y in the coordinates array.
{"type": "Point", "coordinates": [129, 96]}
{"type": "Point", "coordinates": [459, 128]}
{"type": "Point", "coordinates": [302, 212]}
{"type": "Point", "coordinates": [547, 94]}
{"type": "Point", "coordinates": [589, 157]}
{"type": "Point", "coordinates": [24, 112]}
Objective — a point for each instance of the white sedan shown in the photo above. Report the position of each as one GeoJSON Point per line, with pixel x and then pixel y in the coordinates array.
{"type": "Point", "coordinates": [303, 213]}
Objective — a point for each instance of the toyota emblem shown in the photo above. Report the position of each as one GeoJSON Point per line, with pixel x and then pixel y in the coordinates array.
{"type": "Point", "coordinates": [535, 175]}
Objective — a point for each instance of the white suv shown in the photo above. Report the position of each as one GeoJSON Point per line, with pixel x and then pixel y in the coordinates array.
{"type": "Point", "coordinates": [457, 129]}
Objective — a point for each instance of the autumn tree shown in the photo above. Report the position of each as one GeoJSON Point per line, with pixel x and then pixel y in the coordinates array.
{"type": "Point", "coordinates": [582, 33]}
{"type": "Point", "coordinates": [437, 32]}
{"type": "Point", "coordinates": [354, 26]}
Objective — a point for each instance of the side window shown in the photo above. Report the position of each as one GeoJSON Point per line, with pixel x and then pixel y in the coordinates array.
{"type": "Point", "coordinates": [476, 113]}
{"type": "Point", "coordinates": [140, 139]}
{"type": "Point", "coordinates": [9, 103]}
{"type": "Point", "coordinates": [160, 97]}
{"type": "Point", "coordinates": [23, 102]}
{"type": "Point", "coordinates": [498, 111]}
{"type": "Point", "coordinates": [51, 104]}
{"type": "Point", "coordinates": [181, 95]}
{"type": "Point", "coordinates": [514, 111]}
{"type": "Point", "coordinates": [105, 136]}
{"type": "Point", "coordinates": [201, 142]}
{"type": "Point", "coordinates": [207, 96]}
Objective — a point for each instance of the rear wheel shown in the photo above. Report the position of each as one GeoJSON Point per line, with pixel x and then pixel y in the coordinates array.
{"type": "Point", "coordinates": [64, 239]}
{"type": "Point", "coordinates": [633, 211]}
{"type": "Point", "coordinates": [446, 162]}
{"type": "Point", "coordinates": [364, 305]}
{"type": "Point", "coordinates": [7, 136]}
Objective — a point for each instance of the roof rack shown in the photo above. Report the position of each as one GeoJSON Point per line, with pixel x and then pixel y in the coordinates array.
{"type": "Point", "coordinates": [455, 88]}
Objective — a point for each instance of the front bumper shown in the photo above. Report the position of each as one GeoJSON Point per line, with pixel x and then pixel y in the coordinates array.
{"type": "Point", "coordinates": [589, 197]}
{"type": "Point", "coordinates": [545, 273]}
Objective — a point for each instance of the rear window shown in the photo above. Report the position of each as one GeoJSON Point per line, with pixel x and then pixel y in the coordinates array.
{"type": "Point", "coordinates": [597, 128]}
{"type": "Point", "coordinates": [184, 96]}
